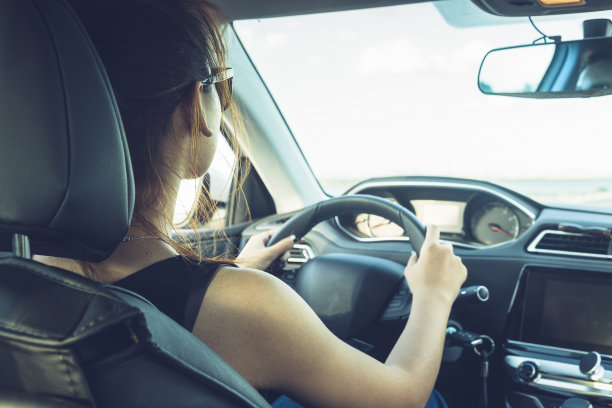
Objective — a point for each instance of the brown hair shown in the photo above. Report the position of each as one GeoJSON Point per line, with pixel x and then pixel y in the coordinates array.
{"type": "Point", "coordinates": [154, 51]}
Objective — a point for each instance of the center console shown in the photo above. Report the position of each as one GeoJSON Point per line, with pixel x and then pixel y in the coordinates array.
{"type": "Point", "coordinates": [560, 339]}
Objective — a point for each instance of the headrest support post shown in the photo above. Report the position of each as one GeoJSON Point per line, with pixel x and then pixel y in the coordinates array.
{"type": "Point", "coordinates": [58, 117]}
{"type": "Point", "coordinates": [21, 246]}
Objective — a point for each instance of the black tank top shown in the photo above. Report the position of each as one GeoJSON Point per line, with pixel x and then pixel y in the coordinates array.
{"type": "Point", "coordinates": [176, 286]}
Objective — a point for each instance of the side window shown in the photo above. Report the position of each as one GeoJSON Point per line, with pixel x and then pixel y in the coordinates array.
{"type": "Point", "coordinates": [218, 180]}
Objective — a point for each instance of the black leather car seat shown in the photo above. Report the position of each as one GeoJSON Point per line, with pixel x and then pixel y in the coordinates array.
{"type": "Point", "coordinates": [66, 189]}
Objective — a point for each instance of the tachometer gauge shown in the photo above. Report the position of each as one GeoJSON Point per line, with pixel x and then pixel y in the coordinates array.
{"type": "Point", "coordinates": [382, 227]}
{"type": "Point", "coordinates": [494, 223]}
{"type": "Point", "coordinates": [375, 226]}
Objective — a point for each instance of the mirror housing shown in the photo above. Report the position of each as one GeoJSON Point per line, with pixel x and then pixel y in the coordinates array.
{"type": "Point", "coordinates": [563, 69]}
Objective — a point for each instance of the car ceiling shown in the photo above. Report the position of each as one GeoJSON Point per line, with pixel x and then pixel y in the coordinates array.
{"type": "Point", "coordinates": [249, 9]}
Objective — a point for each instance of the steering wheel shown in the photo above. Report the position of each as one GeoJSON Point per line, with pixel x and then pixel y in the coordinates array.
{"type": "Point", "coordinates": [349, 291]}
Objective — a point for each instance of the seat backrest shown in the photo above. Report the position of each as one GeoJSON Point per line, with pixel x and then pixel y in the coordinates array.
{"type": "Point", "coordinates": [67, 190]}
{"type": "Point", "coordinates": [13, 399]}
{"type": "Point", "coordinates": [67, 337]}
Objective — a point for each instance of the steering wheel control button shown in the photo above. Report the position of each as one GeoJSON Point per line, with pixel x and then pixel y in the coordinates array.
{"type": "Point", "coordinates": [590, 365]}
{"type": "Point", "coordinates": [528, 372]}
{"type": "Point", "coordinates": [396, 303]}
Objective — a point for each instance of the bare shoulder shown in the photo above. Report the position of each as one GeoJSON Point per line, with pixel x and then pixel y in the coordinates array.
{"type": "Point", "coordinates": [247, 290]}
{"type": "Point", "coordinates": [252, 298]}
{"type": "Point", "coordinates": [246, 314]}
{"type": "Point", "coordinates": [230, 276]}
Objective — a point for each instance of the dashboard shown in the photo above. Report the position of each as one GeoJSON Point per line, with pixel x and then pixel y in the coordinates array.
{"type": "Point", "coordinates": [468, 213]}
{"type": "Point", "coordinates": [548, 270]}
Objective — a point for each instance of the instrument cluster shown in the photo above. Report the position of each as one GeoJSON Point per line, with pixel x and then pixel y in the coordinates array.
{"type": "Point", "coordinates": [466, 214]}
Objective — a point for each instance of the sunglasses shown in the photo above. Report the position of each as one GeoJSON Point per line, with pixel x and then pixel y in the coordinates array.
{"type": "Point", "coordinates": [223, 84]}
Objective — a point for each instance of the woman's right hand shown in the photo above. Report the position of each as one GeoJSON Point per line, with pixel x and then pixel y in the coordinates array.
{"type": "Point", "coordinates": [437, 271]}
{"type": "Point", "coordinates": [256, 255]}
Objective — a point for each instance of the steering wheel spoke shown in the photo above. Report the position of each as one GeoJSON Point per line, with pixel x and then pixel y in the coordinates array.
{"type": "Point", "coordinates": [400, 304]}
{"type": "Point", "coordinates": [347, 291]}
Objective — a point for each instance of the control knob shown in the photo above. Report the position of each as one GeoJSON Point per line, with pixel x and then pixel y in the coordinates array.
{"type": "Point", "coordinates": [528, 371]}
{"type": "Point", "coordinates": [590, 365]}
{"type": "Point", "coordinates": [472, 294]}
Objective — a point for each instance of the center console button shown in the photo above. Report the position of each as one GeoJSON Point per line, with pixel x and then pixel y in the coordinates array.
{"type": "Point", "coordinates": [528, 371]}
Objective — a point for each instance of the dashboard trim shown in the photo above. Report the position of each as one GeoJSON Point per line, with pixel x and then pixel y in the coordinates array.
{"type": "Point", "coordinates": [565, 377]}
{"type": "Point", "coordinates": [532, 246]}
{"type": "Point", "coordinates": [541, 348]}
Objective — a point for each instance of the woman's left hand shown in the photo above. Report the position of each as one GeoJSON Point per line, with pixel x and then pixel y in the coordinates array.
{"type": "Point", "coordinates": [256, 255]}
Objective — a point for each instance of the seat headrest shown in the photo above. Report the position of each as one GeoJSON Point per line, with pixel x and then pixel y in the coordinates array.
{"type": "Point", "coordinates": [65, 174]}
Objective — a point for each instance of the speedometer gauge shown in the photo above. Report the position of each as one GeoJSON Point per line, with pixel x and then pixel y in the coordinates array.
{"type": "Point", "coordinates": [494, 223]}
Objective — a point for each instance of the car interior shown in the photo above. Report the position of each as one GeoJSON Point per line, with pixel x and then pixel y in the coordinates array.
{"type": "Point", "coordinates": [531, 328]}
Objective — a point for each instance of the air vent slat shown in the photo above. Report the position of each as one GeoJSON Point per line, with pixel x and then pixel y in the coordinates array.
{"type": "Point", "coordinates": [566, 243]}
{"type": "Point", "coordinates": [299, 254]}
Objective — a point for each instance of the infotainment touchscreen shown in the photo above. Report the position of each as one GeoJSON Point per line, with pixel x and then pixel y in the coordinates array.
{"type": "Point", "coordinates": [568, 308]}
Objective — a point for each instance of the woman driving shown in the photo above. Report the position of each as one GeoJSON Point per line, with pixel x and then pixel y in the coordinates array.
{"type": "Point", "coordinates": [166, 63]}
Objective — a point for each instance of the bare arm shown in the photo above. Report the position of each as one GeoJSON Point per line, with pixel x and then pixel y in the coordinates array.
{"type": "Point", "coordinates": [270, 335]}
{"type": "Point", "coordinates": [434, 282]}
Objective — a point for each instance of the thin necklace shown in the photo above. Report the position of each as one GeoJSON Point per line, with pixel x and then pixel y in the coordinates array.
{"type": "Point", "coordinates": [128, 239]}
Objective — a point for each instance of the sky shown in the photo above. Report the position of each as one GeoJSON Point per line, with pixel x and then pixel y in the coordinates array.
{"type": "Point", "coordinates": [392, 91]}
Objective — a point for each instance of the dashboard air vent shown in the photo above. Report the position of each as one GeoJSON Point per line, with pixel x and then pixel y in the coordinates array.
{"type": "Point", "coordinates": [571, 243]}
{"type": "Point", "coordinates": [300, 254]}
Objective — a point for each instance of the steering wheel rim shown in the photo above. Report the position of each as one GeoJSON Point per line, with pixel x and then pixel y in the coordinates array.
{"type": "Point", "coordinates": [302, 222]}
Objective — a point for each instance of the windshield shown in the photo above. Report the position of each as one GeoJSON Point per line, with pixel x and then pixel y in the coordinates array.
{"type": "Point", "coordinates": [392, 92]}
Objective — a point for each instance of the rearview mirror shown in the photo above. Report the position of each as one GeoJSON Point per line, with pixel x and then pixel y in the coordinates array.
{"type": "Point", "coordinates": [571, 69]}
